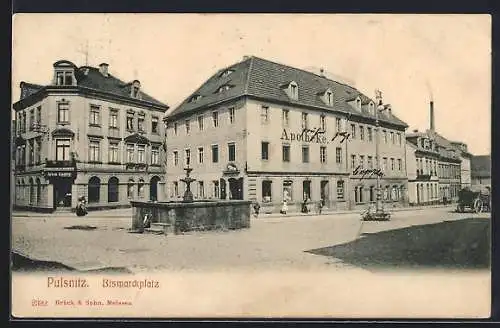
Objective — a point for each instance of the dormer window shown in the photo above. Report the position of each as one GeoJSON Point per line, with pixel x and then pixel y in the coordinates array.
{"type": "Point", "coordinates": [294, 91]}
{"type": "Point", "coordinates": [371, 107]}
{"type": "Point", "coordinates": [223, 88]}
{"type": "Point", "coordinates": [327, 97]}
{"type": "Point", "coordinates": [64, 78]}
{"type": "Point", "coordinates": [358, 103]}
{"type": "Point", "coordinates": [194, 98]}
{"type": "Point", "coordinates": [135, 91]}
{"type": "Point", "coordinates": [64, 73]}
{"type": "Point", "coordinates": [226, 73]}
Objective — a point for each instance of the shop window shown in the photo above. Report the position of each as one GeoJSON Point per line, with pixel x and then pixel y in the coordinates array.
{"type": "Point", "coordinates": [266, 191]}
{"type": "Point", "coordinates": [306, 189]}
{"type": "Point", "coordinates": [130, 188]}
{"type": "Point", "coordinates": [287, 190]}
{"type": "Point", "coordinates": [215, 189]}
{"type": "Point", "coordinates": [140, 187]}
{"type": "Point", "coordinates": [94, 189]}
{"type": "Point", "coordinates": [113, 189]}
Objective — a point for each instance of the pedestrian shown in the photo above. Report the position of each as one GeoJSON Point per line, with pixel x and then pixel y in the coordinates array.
{"type": "Point", "coordinates": [284, 207]}
{"type": "Point", "coordinates": [304, 206]}
{"type": "Point", "coordinates": [81, 207]}
{"type": "Point", "coordinates": [320, 206]}
{"type": "Point", "coordinates": [256, 209]}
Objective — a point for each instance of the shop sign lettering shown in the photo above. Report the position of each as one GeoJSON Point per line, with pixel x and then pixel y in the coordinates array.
{"type": "Point", "coordinates": [57, 174]}
{"type": "Point", "coordinates": [313, 135]}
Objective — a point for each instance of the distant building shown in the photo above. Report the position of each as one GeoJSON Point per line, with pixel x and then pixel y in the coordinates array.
{"type": "Point", "coordinates": [267, 132]}
{"type": "Point", "coordinates": [481, 172]}
{"type": "Point", "coordinates": [87, 134]}
{"type": "Point", "coordinates": [465, 164]}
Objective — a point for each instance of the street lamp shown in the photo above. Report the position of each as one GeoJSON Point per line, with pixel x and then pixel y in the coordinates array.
{"type": "Point", "coordinates": [380, 214]}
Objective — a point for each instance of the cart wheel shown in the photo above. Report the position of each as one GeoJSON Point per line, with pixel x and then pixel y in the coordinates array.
{"type": "Point", "coordinates": [478, 206]}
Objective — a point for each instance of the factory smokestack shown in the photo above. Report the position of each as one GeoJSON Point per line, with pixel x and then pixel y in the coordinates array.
{"type": "Point", "coordinates": [432, 115]}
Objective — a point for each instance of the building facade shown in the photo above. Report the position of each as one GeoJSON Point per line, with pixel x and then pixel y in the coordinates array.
{"type": "Point", "coordinates": [481, 172]}
{"type": "Point", "coordinates": [267, 132]}
{"type": "Point", "coordinates": [465, 164]}
{"type": "Point", "coordinates": [87, 134]}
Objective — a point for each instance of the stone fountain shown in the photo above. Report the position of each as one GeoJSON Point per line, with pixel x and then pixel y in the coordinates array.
{"type": "Point", "coordinates": [189, 214]}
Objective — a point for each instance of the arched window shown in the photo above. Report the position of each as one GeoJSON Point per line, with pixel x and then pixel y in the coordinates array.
{"type": "Point", "coordinates": [153, 188]}
{"type": "Point", "coordinates": [38, 191]}
{"type": "Point", "coordinates": [32, 191]}
{"type": "Point", "coordinates": [113, 190]}
{"type": "Point", "coordinates": [140, 187]}
{"type": "Point", "coordinates": [130, 188]}
{"type": "Point", "coordinates": [94, 190]}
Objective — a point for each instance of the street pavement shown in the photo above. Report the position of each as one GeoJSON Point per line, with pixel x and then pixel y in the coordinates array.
{"type": "Point", "coordinates": [274, 243]}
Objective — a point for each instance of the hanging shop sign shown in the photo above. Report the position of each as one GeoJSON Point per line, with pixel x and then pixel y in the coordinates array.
{"type": "Point", "coordinates": [61, 172]}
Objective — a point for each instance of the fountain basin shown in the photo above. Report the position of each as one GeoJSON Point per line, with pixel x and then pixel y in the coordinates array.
{"type": "Point", "coordinates": [179, 217]}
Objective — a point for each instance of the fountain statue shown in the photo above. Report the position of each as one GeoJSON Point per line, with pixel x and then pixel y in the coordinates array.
{"type": "Point", "coordinates": [188, 195]}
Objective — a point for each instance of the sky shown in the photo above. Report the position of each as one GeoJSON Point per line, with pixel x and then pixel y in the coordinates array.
{"type": "Point", "coordinates": [410, 58]}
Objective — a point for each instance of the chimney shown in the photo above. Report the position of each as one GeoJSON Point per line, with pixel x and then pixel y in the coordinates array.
{"type": "Point", "coordinates": [245, 57]}
{"type": "Point", "coordinates": [431, 104]}
{"type": "Point", "coordinates": [321, 72]}
{"type": "Point", "coordinates": [103, 69]}
{"type": "Point", "coordinates": [415, 130]}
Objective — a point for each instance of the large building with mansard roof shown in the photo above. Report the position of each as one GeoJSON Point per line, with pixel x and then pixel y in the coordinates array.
{"type": "Point", "coordinates": [267, 132]}
{"type": "Point", "coordinates": [87, 133]}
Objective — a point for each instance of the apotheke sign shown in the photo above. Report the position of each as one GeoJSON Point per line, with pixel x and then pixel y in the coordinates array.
{"type": "Point", "coordinates": [312, 135]}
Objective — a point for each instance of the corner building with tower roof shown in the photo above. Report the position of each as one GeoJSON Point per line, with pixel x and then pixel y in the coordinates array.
{"type": "Point", "coordinates": [267, 132]}
{"type": "Point", "coordinates": [87, 134]}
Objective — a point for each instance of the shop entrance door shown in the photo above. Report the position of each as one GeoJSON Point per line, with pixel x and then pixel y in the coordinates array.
{"type": "Point", "coordinates": [62, 193]}
{"type": "Point", "coordinates": [236, 188]}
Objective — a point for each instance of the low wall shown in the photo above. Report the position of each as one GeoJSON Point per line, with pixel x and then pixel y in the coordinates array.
{"type": "Point", "coordinates": [199, 215]}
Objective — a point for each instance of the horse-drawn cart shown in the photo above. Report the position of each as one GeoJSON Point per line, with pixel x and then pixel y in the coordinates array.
{"type": "Point", "coordinates": [476, 201]}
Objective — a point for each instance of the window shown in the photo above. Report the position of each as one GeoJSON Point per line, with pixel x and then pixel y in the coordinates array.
{"type": "Point", "coordinates": [24, 121]}
{"type": "Point", "coordinates": [264, 150]}
{"type": "Point", "coordinates": [175, 128]}
{"type": "Point", "coordinates": [264, 114]}
{"type": "Point", "coordinates": [372, 193]}
{"type": "Point", "coordinates": [188, 126]}
{"type": "Point", "coordinates": [94, 151]}
{"type": "Point", "coordinates": [135, 91]}
{"type": "Point", "coordinates": [338, 125]}
{"type": "Point", "coordinates": [62, 149]}
{"type": "Point", "coordinates": [306, 189]}
{"type": "Point", "coordinates": [200, 122]}
{"type": "Point", "coordinates": [358, 194]}
{"type": "Point", "coordinates": [358, 103]}
{"type": "Point", "coordinates": [287, 190]}
{"type": "Point", "coordinates": [113, 190]}
{"type": "Point", "coordinates": [231, 115]}
{"type": "Point", "coordinates": [392, 138]}
{"type": "Point", "coordinates": [304, 121]}
{"type": "Point", "coordinates": [223, 88]}
{"type": "Point", "coordinates": [399, 138]}
{"type": "Point", "coordinates": [195, 98]}
{"type": "Point", "coordinates": [130, 188]}
{"type": "Point", "coordinates": [200, 155]}
{"type": "Point", "coordinates": [215, 189]}
{"type": "Point", "coordinates": [215, 153]}
{"type": "Point", "coordinates": [62, 113]}
{"type": "Point", "coordinates": [215, 119]}
{"type": "Point", "coordinates": [94, 190]}
{"type": "Point", "coordinates": [361, 132]}
{"type": "Point", "coordinates": [31, 156]}
{"type": "Point", "coordinates": [155, 155]}
{"type": "Point", "coordinates": [392, 164]}
{"type": "Point", "coordinates": [201, 189]}
{"type": "Point", "coordinates": [329, 98]}
{"type": "Point", "coordinates": [370, 162]}
{"type": "Point", "coordinates": [59, 78]}
{"type": "Point", "coordinates": [68, 78]}
{"type": "Point", "coordinates": [95, 118]}
{"type": "Point", "coordinates": [285, 113]}
{"type": "Point", "coordinates": [113, 152]}
{"type": "Point", "coordinates": [286, 153]}
{"type": "Point", "coordinates": [305, 154]}
{"type": "Point", "coordinates": [226, 73]}
{"type": "Point", "coordinates": [187, 156]}
{"type": "Point", "coordinates": [176, 188]}
{"type": "Point", "coordinates": [322, 122]}
{"type": "Point", "coordinates": [340, 189]}
{"type": "Point", "coordinates": [130, 122]}
{"type": "Point", "coordinates": [231, 150]}
{"type": "Point", "coordinates": [32, 119]}
{"type": "Point", "coordinates": [362, 161]}
{"type": "Point", "coordinates": [38, 150]}
{"type": "Point", "coordinates": [338, 155]}
{"type": "Point", "coordinates": [175, 157]}
{"type": "Point", "coordinates": [322, 154]}
{"type": "Point", "coordinates": [353, 161]}
{"type": "Point", "coordinates": [154, 125]}
{"type": "Point", "coordinates": [140, 123]}
{"type": "Point", "coordinates": [130, 153]}
{"type": "Point", "coordinates": [353, 131]}
{"type": "Point", "coordinates": [384, 164]}
{"type": "Point", "coordinates": [141, 154]}
{"type": "Point", "coordinates": [266, 191]}
{"type": "Point", "coordinates": [140, 188]}
{"type": "Point", "coordinates": [370, 135]}
{"type": "Point", "coordinates": [384, 132]}
{"type": "Point", "coordinates": [113, 119]}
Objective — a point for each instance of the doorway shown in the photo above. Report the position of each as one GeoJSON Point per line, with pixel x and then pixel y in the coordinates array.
{"type": "Point", "coordinates": [153, 188]}
{"type": "Point", "coordinates": [236, 188]}
{"type": "Point", "coordinates": [62, 193]}
{"type": "Point", "coordinates": [325, 192]}
{"type": "Point", "coordinates": [222, 189]}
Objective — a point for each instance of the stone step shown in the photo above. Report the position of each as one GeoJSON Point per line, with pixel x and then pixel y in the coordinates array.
{"type": "Point", "coordinates": [160, 227]}
{"type": "Point", "coordinates": [154, 231]}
